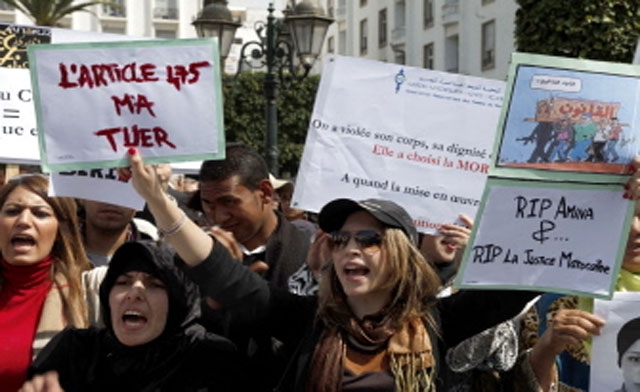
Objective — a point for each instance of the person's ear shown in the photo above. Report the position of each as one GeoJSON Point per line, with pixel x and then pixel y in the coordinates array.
{"type": "Point", "coordinates": [266, 190]}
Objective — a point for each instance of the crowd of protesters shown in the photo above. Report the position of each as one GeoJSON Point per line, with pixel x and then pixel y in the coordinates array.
{"type": "Point", "coordinates": [226, 287]}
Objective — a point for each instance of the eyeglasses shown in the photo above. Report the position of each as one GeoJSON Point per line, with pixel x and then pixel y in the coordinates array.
{"type": "Point", "coordinates": [364, 238]}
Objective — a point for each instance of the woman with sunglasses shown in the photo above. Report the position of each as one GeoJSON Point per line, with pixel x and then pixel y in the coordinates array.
{"type": "Point", "coordinates": [375, 324]}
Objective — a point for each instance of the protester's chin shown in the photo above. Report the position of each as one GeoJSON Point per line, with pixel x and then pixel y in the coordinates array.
{"type": "Point", "coordinates": [632, 265]}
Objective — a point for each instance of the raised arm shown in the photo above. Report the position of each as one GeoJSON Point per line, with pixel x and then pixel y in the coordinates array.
{"type": "Point", "coordinates": [190, 241]}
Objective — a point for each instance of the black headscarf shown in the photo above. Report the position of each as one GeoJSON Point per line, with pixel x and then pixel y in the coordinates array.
{"type": "Point", "coordinates": [183, 358]}
{"type": "Point", "coordinates": [154, 364]}
{"type": "Point", "coordinates": [628, 334]}
{"type": "Point", "coordinates": [156, 260]}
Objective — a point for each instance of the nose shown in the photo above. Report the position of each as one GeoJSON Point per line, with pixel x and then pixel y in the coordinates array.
{"type": "Point", "coordinates": [136, 290]}
{"type": "Point", "coordinates": [352, 246]}
{"type": "Point", "coordinates": [24, 218]}
{"type": "Point", "coordinates": [220, 215]}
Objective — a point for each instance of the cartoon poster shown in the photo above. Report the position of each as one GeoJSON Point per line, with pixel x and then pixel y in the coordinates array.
{"type": "Point", "coordinates": [568, 119]}
{"type": "Point", "coordinates": [615, 354]}
{"type": "Point", "coordinates": [552, 216]}
{"type": "Point", "coordinates": [416, 136]}
{"type": "Point", "coordinates": [95, 100]}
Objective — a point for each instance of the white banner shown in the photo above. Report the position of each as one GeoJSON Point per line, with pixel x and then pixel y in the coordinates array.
{"type": "Point", "coordinates": [419, 137]}
{"type": "Point", "coordinates": [94, 101]}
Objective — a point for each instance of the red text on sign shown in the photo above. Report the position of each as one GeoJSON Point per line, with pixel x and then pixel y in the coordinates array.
{"type": "Point", "coordinates": [133, 103]}
{"type": "Point", "coordinates": [98, 75]}
{"type": "Point", "coordinates": [136, 137]}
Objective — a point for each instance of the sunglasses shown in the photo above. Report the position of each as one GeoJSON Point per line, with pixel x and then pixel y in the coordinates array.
{"type": "Point", "coordinates": [364, 238]}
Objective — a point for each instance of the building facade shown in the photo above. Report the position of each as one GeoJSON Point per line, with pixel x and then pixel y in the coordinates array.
{"type": "Point", "coordinates": [167, 19]}
{"type": "Point", "coordinates": [471, 37]}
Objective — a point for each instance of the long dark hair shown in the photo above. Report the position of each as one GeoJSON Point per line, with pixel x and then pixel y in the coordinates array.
{"type": "Point", "coordinates": [68, 252]}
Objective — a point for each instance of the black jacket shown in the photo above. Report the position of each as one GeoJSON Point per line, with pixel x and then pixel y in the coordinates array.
{"type": "Point", "coordinates": [183, 358]}
{"type": "Point", "coordinates": [291, 318]}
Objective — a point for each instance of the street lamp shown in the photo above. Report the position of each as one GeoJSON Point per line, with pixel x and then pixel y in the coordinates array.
{"type": "Point", "coordinates": [307, 26]}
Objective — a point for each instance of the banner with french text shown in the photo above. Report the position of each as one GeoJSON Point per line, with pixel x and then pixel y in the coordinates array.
{"type": "Point", "coordinates": [419, 137]}
{"type": "Point", "coordinates": [95, 100]}
{"type": "Point", "coordinates": [18, 133]}
{"type": "Point", "coordinates": [553, 217]}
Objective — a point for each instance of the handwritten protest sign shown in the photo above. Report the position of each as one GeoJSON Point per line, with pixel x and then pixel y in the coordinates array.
{"type": "Point", "coordinates": [94, 101]}
{"type": "Point", "coordinates": [615, 352]}
{"type": "Point", "coordinates": [18, 133]}
{"type": "Point", "coordinates": [96, 184]}
{"type": "Point", "coordinates": [547, 236]}
{"type": "Point", "coordinates": [552, 216]}
{"type": "Point", "coordinates": [420, 137]}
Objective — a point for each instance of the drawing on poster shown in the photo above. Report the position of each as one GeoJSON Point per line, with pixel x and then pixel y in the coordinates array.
{"type": "Point", "coordinates": [567, 120]}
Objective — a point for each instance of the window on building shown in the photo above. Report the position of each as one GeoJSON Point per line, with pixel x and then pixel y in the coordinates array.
{"type": "Point", "coordinates": [485, 2]}
{"type": "Point", "coordinates": [363, 3]}
{"type": "Point", "coordinates": [5, 7]}
{"type": "Point", "coordinates": [400, 57]}
{"type": "Point", "coordinates": [342, 42]}
{"type": "Point", "coordinates": [452, 53]}
{"type": "Point", "coordinates": [363, 36]}
{"type": "Point", "coordinates": [166, 34]}
{"type": "Point", "coordinates": [488, 45]}
{"type": "Point", "coordinates": [165, 9]}
{"type": "Point", "coordinates": [331, 45]}
{"type": "Point", "coordinates": [428, 13]}
{"type": "Point", "coordinates": [382, 27]}
{"type": "Point", "coordinates": [427, 56]}
{"type": "Point", "coordinates": [113, 30]}
{"type": "Point", "coordinates": [117, 10]}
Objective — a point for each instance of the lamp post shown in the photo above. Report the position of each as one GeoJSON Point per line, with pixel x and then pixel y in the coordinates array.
{"type": "Point", "coordinates": [306, 24]}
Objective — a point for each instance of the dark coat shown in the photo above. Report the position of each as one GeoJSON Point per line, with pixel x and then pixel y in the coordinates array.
{"type": "Point", "coordinates": [291, 318]}
{"type": "Point", "coordinates": [184, 358]}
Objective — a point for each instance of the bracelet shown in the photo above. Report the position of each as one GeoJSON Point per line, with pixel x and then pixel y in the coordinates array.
{"type": "Point", "coordinates": [174, 228]}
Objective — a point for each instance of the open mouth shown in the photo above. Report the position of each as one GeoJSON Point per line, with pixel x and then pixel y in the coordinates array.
{"type": "Point", "coordinates": [133, 319]}
{"type": "Point", "coordinates": [355, 271]}
{"type": "Point", "coordinates": [22, 240]}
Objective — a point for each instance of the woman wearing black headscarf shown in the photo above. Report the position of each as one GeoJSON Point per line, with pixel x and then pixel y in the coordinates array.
{"type": "Point", "coordinates": [150, 342]}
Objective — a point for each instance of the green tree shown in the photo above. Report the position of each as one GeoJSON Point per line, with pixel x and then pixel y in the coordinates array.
{"type": "Point", "coordinates": [591, 29]}
{"type": "Point", "coordinates": [244, 115]}
{"type": "Point", "coordinates": [50, 12]}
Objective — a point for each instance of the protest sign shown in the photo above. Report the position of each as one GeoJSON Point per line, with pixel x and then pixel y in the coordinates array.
{"type": "Point", "coordinates": [96, 184]}
{"type": "Point", "coordinates": [18, 133]}
{"type": "Point", "coordinates": [568, 119]}
{"type": "Point", "coordinates": [552, 216]}
{"type": "Point", "coordinates": [419, 137]}
{"type": "Point", "coordinates": [547, 236]}
{"type": "Point", "coordinates": [95, 100]}
{"type": "Point", "coordinates": [615, 354]}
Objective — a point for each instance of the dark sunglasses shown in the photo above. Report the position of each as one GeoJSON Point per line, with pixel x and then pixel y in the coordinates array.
{"type": "Point", "coordinates": [364, 238]}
